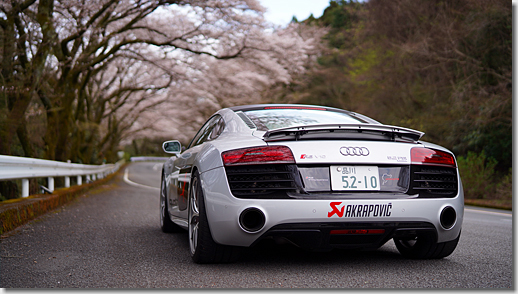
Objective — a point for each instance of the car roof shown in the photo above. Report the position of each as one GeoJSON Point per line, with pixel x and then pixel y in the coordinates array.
{"type": "Point", "coordinates": [284, 106]}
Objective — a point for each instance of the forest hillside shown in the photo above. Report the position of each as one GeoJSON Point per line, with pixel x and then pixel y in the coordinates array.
{"type": "Point", "coordinates": [442, 67]}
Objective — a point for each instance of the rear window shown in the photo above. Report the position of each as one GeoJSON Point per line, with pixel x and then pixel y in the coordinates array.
{"type": "Point", "coordinates": [269, 119]}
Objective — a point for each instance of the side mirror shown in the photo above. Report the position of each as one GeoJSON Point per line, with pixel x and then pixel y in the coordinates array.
{"type": "Point", "coordinates": [173, 147]}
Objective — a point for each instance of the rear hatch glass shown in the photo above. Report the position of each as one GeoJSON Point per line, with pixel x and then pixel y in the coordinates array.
{"type": "Point", "coordinates": [270, 119]}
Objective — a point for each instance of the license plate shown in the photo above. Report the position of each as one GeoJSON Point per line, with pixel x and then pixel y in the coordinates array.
{"type": "Point", "coordinates": [354, 178]}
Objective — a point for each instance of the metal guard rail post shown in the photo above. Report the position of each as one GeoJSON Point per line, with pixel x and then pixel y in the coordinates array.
{"type": "Point", "coordinates": [24, 168]}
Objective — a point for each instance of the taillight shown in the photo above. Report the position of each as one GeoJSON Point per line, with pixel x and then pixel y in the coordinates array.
{"type": "Point", "coordinates": [421, 155]}
{"type": "Point", "coordinates": [258, 155]}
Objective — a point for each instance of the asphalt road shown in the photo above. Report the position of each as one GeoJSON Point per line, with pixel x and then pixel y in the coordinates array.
{"type": "Point", "coordinates": [111, 238]}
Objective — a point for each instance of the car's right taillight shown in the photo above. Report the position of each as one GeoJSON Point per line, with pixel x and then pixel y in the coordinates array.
{"type": "Point", "coordinates": [433, 173]}
{"type": "Point", "coordinates": [421, 155]}
{"type": "Point", "coordinates": [258, 155]}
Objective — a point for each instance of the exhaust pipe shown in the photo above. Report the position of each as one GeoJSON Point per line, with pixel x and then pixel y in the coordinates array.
{"type": "Point", "coordinates": [448, 217]}
{"type": "Point", "coordinates": [252, 220]}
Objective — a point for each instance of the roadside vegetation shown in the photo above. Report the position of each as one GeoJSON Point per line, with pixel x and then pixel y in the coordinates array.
{"type": "Point", "coordinates": [81, 80]}
{"type": "Point", "coordinates": [442, 67]}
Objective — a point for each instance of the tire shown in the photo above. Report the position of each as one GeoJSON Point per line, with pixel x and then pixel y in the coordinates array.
{"type": "Point", "coordinates": [425, 247]}
{"type": "Point", "coordinates": [202, 247]}
{"type": "Point", "coordinates": [166, 224]}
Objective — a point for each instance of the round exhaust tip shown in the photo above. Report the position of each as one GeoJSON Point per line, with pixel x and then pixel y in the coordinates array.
{"type": "Point", "coordinates": [252, 219]}
{"type": "Point", "coordinates": [448, 217]}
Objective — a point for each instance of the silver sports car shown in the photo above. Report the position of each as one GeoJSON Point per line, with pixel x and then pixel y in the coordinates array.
{"type": "Point", "coordinates": [319, 177]}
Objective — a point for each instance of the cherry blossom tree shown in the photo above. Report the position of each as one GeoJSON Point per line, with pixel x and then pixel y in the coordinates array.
{"type": "Point", "coordinates": [270, 59]}
{"type": "Point", "coordinates": [101, 71]}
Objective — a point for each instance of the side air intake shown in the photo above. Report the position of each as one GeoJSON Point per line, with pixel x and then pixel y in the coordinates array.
{"type": "Point", "coordinates": [261, 181]}
{"type": "Point", "coordinates": [434, 181]}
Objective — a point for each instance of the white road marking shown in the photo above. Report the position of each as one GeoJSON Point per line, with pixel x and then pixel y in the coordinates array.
{"type": "Point", "coordinates": [128, 181]}
{"type": "Point", "coordinates": [489, 212]}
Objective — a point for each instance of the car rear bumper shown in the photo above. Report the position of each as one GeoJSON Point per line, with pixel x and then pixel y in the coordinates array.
{"type": "Point", "coordinates": [231, 223]}
{"type": "Point", "coordinates": [348, 235]}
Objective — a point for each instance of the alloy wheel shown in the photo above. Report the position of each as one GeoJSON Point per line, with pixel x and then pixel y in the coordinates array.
{"type": "Point", "coordinates": [162, 205]}
{"type": "Point", "coordinates": [194, 216]}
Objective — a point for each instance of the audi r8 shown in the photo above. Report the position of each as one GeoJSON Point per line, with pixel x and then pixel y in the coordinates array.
{"type": "Point", "coordinates": [319, 177]}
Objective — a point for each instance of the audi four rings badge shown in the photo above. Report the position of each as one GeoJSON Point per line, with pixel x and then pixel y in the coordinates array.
{"type": "Point", "coordinates": [354, 151]}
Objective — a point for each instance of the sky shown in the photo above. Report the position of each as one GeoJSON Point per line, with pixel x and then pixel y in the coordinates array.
{"type": "Point", "coordinates": [280, 12]}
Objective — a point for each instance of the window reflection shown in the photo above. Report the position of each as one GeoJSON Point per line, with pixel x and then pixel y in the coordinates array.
{"type": "Point", "coordinates": [270, 119]}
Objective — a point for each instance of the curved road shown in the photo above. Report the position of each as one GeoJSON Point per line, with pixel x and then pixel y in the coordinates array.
{"type": "Point", "coordinates": [111, 238]}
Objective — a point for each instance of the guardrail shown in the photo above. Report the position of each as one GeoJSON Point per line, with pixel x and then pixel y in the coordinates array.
{"type": "Point", "coordinates": [24, 168]}
{"type": "Point", "coordinates": [149, 158]}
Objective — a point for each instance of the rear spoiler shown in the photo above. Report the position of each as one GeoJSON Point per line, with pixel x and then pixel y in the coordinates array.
{"type": "Point", "coordinates": [344, 132]}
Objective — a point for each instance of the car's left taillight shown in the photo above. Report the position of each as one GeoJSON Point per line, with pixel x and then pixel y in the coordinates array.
{"type": "Point", "coordinates": [258, 155]}
{"type": "Point", "coordinates": [261, 172]}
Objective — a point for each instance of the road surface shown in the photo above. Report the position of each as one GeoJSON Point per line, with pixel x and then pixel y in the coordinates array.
{"type": "Point", "coordinates": [111, 238]}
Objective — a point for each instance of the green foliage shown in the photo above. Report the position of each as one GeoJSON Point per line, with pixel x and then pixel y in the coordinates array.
{"type": "Point", "coordinates": [365, 62]}
{"type": "Point", "coordinates": [490, 42]}
{"type": "Point", "coordinates": [338, 15]}
{"type": "Point", "coordinates": [504, 188]}
{"type": "Point", "coordinates": [477, 174]}
{"type": "Point", "coordinates": [495, 140]}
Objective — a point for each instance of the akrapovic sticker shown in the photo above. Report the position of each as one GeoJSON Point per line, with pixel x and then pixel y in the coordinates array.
{"type": "Point", "coordinates": [359, 210]}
